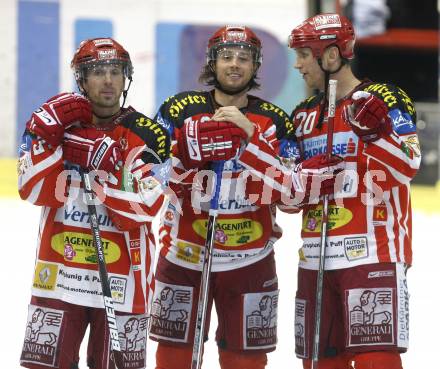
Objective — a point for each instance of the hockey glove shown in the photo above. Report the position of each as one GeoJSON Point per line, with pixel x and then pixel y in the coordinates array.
{"type": "Point", "coordinates": [316, 177]}
{"type": "Point", "coordinates": [368, 116]}
{"type": "Point", "coordinates": [57, 114]}
{"type": "Point", "coordinates": [92, 149]}
{"type": "Point", "coordinates": [201, 142]}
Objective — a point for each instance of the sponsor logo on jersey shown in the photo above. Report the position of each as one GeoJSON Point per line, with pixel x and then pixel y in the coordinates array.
{"type": "Point", "coordinates": [405, 149]}
{"type": "Point", "coordinates": [73, 216]}
{"type": "Point", "coordinates": [178, 105]}
{"type": "Point", "coordinates": [402, 123]}
{"type": "Point", "coordinates": [380, 274]}
{"type": "Point", "coordinates": [133, 337]}
{"type": "Point", "coordinates": [235, 204]}
{"type": "Point", "coordinates": [80, 248]}
{"type": "Point", "coordinates": [117, 288]}
{"type": "Point", "coordinates": [41, 339]}
{"type": "Point", "coordinates": [171, 312]}
{"type": "Point", "coordinates": [300, 328]}
{"type": "Point", "coordinates": [344, 144]}
{"type": "Point", "coordinates": [231, 232]}
{"type": "Point", "coordinates": [23, 164]}
{"type": "Point", "coordinates": [402, 307]}
{"type": "Point", "coordinates": [135, 256]}
{"type": "Point", "coordinates": [188, 252]}
{"type": "Point", "coordinates": [289, 150]}
{"type": "Point", "coordinates": [169, 216]}
{"type": "Point", "coordinates": [337, 218]}
{"type": "Point", "coordinates": [45, 276]}
{"type": "Point", "coordinates": [260, 313]}
{"type": "Point", "coordinates": [391, 97]}
{"type": "Point", "coordinates": [301, 255]}
{"type": "Point", "coordinates": [388, 96]}
{"type": "Point", "coordinates": [165, 124]}
{"type": "Point", "coordinates": [380, 214]}
{"type": "Point", "coordinates": [413, 142]}
{"type": "Point", "coordinates": [370, 316]}
{"type": "Point", "coordinates": [267, 106]}
{"type": "Point", "coordinates": [356, 248]}
{"type": "Point", "coordinates": [159, 135]}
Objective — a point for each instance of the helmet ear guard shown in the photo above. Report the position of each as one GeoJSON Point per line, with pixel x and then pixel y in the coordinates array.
{"type": "Point", "coordinates": [324, 30]}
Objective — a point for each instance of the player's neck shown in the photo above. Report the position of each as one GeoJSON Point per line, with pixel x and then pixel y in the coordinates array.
{"type": "Point", "coordinates": [239, 100]}
{"type": "Point", "coordinates": [346, 82]}
{"type": "Point", "coordinates": [103, 116]}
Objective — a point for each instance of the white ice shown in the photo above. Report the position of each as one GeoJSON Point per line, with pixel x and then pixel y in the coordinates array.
{"type": "Point", "coordinates": [19, 226]}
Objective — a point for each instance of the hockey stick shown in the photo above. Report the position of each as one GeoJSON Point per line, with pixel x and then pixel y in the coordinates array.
{"type": "Point", "coordinates": [103, 275]}
{"type": "Point", "coordinates": [320, 277]}
{"type": "Point", "coordinates": [206, 271]}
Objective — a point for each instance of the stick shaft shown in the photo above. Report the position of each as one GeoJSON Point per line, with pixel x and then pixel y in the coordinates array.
{"type": "Point", "coordinates": [320, 276]}
{"type": "Point", "coordinates": [102, 267]}
{"type": "Point", "coordinates": [206, 273]}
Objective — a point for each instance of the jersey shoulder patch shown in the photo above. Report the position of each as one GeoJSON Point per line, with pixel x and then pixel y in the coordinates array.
{"type": "Point", "coordinates": [184, 104]}
{"type": "Point", "coordinates": [393, 97]}
{"type": "Point", "coordinates": [278, 116]}
{"type": "Point", "coordinates": [155, 136]}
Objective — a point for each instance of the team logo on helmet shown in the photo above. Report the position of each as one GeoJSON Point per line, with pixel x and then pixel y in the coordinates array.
{"type": "Point", "coordinates": [103, 41]}
{"type": "Point", "coordinates": [107, 54]}
{"type": "Point", "coordinates": [232, 34]}
{"type": "Point", "coordinates": [327, 21]}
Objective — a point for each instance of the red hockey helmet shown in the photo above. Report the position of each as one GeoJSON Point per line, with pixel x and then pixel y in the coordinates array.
{"type": "Point", "coordinates": [100, 51]}
{"type": "Point", "coordinates": [234, 36]}
{"type": "Point", "coordinates": [322, 31]}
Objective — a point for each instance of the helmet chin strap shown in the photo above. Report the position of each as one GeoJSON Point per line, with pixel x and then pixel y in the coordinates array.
{"type": "Point", "coordinates": [125, 92]}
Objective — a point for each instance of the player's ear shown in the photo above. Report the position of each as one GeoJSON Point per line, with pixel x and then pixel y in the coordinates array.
{"type": "Point", "coordinates": [331, 56]}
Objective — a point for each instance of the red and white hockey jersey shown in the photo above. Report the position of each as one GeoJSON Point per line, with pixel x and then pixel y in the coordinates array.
{"type": "Point", "coordinates": [66, 265]}
{"type": "Point", "coordinates": [370, 214]}
{"type": "Point", "coordinates": [245, 232]}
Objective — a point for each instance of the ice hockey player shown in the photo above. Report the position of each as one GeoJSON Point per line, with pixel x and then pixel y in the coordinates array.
{"type": "Point", "coordinates": [126, 154]}
{"type": "Point", "coordinates": [364, 320]}
{"type": "Point", "coordinates": [211, 126]}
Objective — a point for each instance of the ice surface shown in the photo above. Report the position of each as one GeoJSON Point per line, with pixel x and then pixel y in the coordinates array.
{"type": "Point", "coordinates": [19, 227]}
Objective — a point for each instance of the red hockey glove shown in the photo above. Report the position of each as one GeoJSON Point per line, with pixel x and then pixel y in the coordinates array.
{"type": "Point", "coordinates": [181, 190]}
{"type": "Point", "coordinates": [92, 149]}
{"type": "Point", "coordinates": [57, 114]}
{"type": "Point", "coordinates": [316, 176]}
{"type": "Point", "coordinates": [368, 116]}
{"type": "Point", "coordinates": [201, 142]}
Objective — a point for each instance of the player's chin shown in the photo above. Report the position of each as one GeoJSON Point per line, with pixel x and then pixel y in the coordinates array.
{"type": "Point", "coordinates": [109, 101]}
{"type": "Point", "coordinates": [236, 86]}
